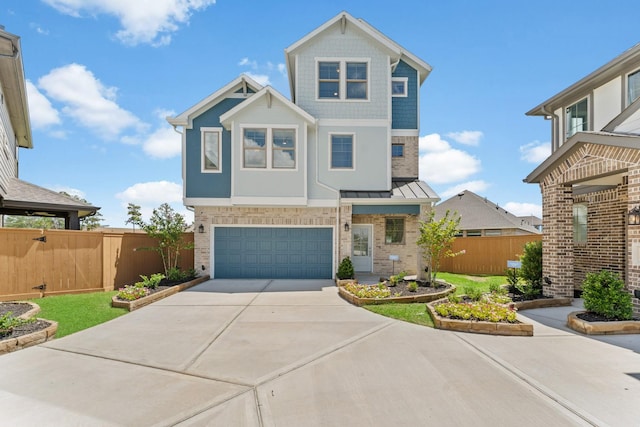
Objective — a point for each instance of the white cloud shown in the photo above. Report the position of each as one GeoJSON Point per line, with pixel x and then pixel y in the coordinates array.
{"type": "Point", "coordinates": [88, 101]}
{"type": "Point", "coordinates": [477, 187]}
{"type": "Point", "coordinates": [467, 137]}
{"type": "Point", "coordinates": [524, 209]}
{"type": "Point", "coordinates": [152, 193]}
{"type": "Point", "coordinates": [69, 190]}
{"type": "Point", "coordinates": [261, 79]}
{"type": "Point", "coordinates": [164, 142]}
{"type": "Point", "coordinates": [535, 152]}
{"type": "Point", "coordinates": [441, 164]}
{"type": "Point", "coordinates": [282, 69]}
{"type": "Point", "coordinates": [142, 21]}
{"type": "Point", "coordinates": [247, 62]}
{"type": "Point", "coordinates": [41, 111]}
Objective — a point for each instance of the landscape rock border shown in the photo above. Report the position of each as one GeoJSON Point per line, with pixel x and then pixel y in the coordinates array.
{"type": "Point", "coordinates": [399, 300]}
{"type": "Point", "coordinates": [9, 345]}
{"type": "Point", "coordinates": [602, 328]}
{"type": "Point", "coordinates": [141, 302]}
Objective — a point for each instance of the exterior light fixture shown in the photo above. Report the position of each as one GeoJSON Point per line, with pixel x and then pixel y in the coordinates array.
{"type": "Point", "coordinates": [201, 228]}
{"type": "Point", "coordinates": [346, 226]}
{"type": "Point", "coordinates": [634, 216]}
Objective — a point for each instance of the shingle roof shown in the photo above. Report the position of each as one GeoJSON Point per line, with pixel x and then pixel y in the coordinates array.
{"type": "Point", "coordinates": [400, 189]}
{"type": "Point", "coordinates": [478, 213]}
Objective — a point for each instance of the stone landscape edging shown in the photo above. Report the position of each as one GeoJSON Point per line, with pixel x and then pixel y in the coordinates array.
{"type": "Point", "coordinates": [520, 328]}
{"type": "Point", "coordinates": [13, 344]}
{"type": "Point", "coordinates": [399, 300]}
{"type": "Point", "coordinates": [542, 303]}
{"type": "Point", "coordinates": [602, 328]}
{"type": "Point", "coordinates": [141, 302]}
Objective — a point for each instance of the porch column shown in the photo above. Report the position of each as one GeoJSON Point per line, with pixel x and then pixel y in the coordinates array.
{"type": "Point", "coordinates": [344, 236]}
{"type": "Point", "coordinates": [633, 239]}
{"type": "Point", "coordinates": [557, 239]}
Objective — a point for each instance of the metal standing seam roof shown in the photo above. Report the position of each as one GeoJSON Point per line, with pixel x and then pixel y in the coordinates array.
{"type": "Point", "coordinates": [400, 189]}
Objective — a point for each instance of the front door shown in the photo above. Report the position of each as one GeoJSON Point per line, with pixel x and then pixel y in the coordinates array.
{"type": "Point", "coordinates": [362, 239]}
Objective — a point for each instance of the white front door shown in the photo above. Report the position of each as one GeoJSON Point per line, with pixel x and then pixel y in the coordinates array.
{"type": "Point", "coordinates": [362, 239]}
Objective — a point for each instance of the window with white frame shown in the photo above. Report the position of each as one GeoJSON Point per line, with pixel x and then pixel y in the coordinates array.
{"type": "Point", "coordinates": [211, 149]}
{"type": "Point", "coordinates": [341, 151]}
{"type": "Point", "coordinates": [283, 148]}
{"type": "Point", "coordinates": [399, 86]}
{"type": "Point", "coordinates": [254, 148]}
{"type": "Point", "coordinates": [579, 223]}
{"type": "Point", "coordinates": [577, 118]}
{"type": "Point", "coordinates": [397, 150]}
{"type": "Point", "coordinates": [633, 86]}
{"type": "Point", "coordinates": [343, 79]}
{"type": "Point", "coordinates": [394, 231]}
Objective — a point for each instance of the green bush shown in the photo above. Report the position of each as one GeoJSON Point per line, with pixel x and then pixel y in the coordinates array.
{"type": "Point", "coordinates": [150, 282]}
{"type": "Point", "coordinates": [473, 293]}
{"type": "Point", "coordinates": [412, 286]}
{"type": "Point", "coordinates": [513, 276]}
{"type": "Point", "coordinates": [604, 294]}
{"type": "Point", "coordinates": [345, 269]}
{"type": "Point", "coordinates": [531, 268]}
{"type": "Point", "coordinates": [8, 323]}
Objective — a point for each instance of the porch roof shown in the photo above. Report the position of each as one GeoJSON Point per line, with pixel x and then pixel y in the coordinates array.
{"type": "Point", "coordinates": [402, 190]}
{"type": "Point", "coordinates": [575, 142]}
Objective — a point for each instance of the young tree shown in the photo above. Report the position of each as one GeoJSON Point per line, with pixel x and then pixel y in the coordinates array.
{"type": "Point", "coordinates": [168, 228]}
{"type": "Point", "coordinates": [133, 214]}
{"type": "Point", "coordinates": [436, 238]}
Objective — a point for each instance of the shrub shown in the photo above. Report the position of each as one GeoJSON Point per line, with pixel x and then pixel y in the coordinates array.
{"type": "Point", "coordinates": [176, 275]}
{"type": "Point", "coordinates": [481, 311]}
{"type": "Point", "coordinates": [133, 292]}
{"type": "Point", "coordinates": [454, 298]}
{"type": "Point", "coordinates": [529, 291]}
{"type": "Point", "coordinates": [604, 294]}
{"type": "Point", "coordinates": [150, 282]}
{"type": "Point", "coordinates": [412, 287]}
{"type": "Point", "coordinates": [513, 276]}
{"type": "Point", "coordinates": [345, 269]}
{"type": "Point", "coordinates": [531, 268]}
{"type": "Point", "coordinates": [473, 293]}
{"type": "Point", "coordinates": [368, 291]}
{"type": "Point", "coordinates": [8, 323]}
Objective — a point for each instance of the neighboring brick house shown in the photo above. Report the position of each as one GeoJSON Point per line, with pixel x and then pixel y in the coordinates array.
{"type": "Point", "coordinates": [479, 217]}
{"type": "Point", "coordinates": [287, 188]}
{"type": "Point", "coordinates": [591, 181]}
{"type": "Point", "coordinates": [18, 197]}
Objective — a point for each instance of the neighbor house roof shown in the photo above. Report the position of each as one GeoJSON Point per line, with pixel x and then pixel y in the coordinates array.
{"type": "Point", "coordinates": [401, 190]}
{"type": "Point", "coordinates": [396, 52]}
{"type": "Point", "coordinates": [477, 213]}
{"type": "Point", "coordinates": [13, 87]}
{"type": "Point", "coordinates": [24, 198]}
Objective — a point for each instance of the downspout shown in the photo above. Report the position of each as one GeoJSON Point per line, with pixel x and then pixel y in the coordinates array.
{"type": "Point", "coordinates": [555, 137]}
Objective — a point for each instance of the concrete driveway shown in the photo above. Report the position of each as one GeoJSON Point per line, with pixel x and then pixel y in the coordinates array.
{"type": "Point", "coordinates": [293, 353]}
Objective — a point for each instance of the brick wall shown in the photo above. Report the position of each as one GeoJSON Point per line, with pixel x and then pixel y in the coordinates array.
{"type": "Point", "coordinates": [407, 166]}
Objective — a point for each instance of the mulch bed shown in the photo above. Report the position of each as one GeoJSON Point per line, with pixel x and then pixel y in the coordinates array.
{"type": "Point", "coordinates": [402, 288]}
{"type": "Point", "coordinates": [588, 316]}
{"type": "Point", "coordinates": [16, 309]}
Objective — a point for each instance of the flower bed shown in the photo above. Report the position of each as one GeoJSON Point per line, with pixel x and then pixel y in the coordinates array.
{"type": "Point", "coordinates": [153, 297]}
{"type": "Point", "coordinates": [43, 331]}
{"type": "Point", "coordinates": [381, 294]}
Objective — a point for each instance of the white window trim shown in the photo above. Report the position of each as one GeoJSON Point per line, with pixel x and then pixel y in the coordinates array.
{"type": "Point", "coordinates": [353, 152]}
{"type": "Point", "coordinates": [343, 79]}
{"type": "Point", "coordinates": [406, 87]}
{"type": "Point", "coordinates": [626, 87]}
{"type": "Point", "coordinates": [204, 130]}
{"type": "Point", "coordinates": [589, 118]}
{"type": "Point", "coordinates": [269, 147]}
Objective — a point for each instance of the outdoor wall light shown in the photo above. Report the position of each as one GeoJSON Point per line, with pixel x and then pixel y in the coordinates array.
{"type": "Point", "coordinates": [634, 216]}
{"type": "Point", "coordinates": [201, 228]}
{"type": "Point", "coordinates": [346, 226]}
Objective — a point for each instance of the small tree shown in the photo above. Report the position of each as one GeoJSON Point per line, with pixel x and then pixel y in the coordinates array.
{"type": "Point", "coordinates": [436, 239]}
{"type": "Point", "coordinates": [168, 227]}
{"type": "Point", "coordinates": [345, 269]}
{"type": "Point", "coordinates": [531, 267]}
{"type": "Point", "coordinates": [133, 215]}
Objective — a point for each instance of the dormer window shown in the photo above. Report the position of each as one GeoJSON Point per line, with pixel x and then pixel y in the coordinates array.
{"type": "Point", "coordinates": [633, 86]}
{"type": "Point", "coordinates": [343, 80]}
{"type": "Point", "coordinates": [577, 118]}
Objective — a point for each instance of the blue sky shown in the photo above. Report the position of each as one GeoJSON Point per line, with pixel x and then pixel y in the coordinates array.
{"type": "Point", "coordinates": [103, 74]}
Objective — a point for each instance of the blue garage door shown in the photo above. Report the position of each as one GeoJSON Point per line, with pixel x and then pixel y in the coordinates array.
{"type": "Point", "coordinates": [272, 253]}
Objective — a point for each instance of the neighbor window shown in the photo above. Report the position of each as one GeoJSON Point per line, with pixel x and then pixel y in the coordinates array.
{"type": "Point", "coordinates": [211, 143]}
{"type": "Point", "coordinates": [342, 151]}
{"type": "Point", "coordinates": [577, 118]}
{"type": "Point", "coordinates": [493, 232]}
{"type": "Point", "coordinates": [633, 86]}
{"type": "Point", "coordinates": [397, 150]}
{"type": "Point", "coordinates": [474, 233]}
{"type": "Point", "coordinates": [356, 80]}
{"type": "Point", "coordinates": [394, 230]}
{"type": "Point", "coordinates": [284, 148]}
{"type": "Point", "coordinates": [579, 223]}
{"type": "Point", "coordinates": [399, 86]}
{"type": "Point", "coordinates": [328, 80]}
{"type": "Point", "coordinates": [254, 147]}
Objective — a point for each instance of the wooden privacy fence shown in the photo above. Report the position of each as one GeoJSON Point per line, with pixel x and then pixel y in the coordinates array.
{"type": "Point", "coordinates": [486, 255]}
{"type": "Point", "coordinates": [68, 261]}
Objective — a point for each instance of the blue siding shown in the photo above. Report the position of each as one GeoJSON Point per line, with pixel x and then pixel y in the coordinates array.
{"type": "Point", "coordinates": [273, 253]}
{"type": "Point", "coordinates": [386, 209]}
{"type": "Point", "coordinates": [405, 110]}
{"type": "Point", "coordinates": [200, 184]}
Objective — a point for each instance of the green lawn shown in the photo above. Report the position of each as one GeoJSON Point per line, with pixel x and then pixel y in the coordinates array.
{"type": "Point", "coordinates": [77, 312]}
{"type": "Point", "coordinates": [417, 313]}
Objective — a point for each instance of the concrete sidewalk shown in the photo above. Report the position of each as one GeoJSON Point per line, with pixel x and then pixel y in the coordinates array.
{"type": "Point", "coordinates": [293, 353]}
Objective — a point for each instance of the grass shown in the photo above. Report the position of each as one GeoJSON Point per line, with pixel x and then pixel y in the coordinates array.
{"type": "Point", "coordinates": [412, 313]}
{"type": "Point", "coordinates": [77, 312]}
{"type": "Point", "coordinates": [417, 312]}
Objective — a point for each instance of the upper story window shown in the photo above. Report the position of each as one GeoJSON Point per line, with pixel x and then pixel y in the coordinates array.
{"type": "Point", "coordinates": [397, 150]}
{"type": "Point", "coordinates": [343, 80]}
{"type": "Point", "coordinates": [399, 86]}
{"type": "Point", "coordinates": [633, 86]}
{"type": "Point", "coordinates": [211, 148]}
{"type": "Point", "coordinates": [577, 118]}
{"type": "Point", "coordinates": [342, 151]}
{"type": "Point", "coordinates": [264, 148]}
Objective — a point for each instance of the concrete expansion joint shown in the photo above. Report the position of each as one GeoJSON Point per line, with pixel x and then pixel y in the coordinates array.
{"type": "Point", "coordinates": [526, 379]}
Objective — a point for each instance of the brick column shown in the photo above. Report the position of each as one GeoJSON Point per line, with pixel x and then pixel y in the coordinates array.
{"type": "Point", "coordinates": [557, 240]}
{"type": "Point", "coordinates": [344, 237]}
{"type": "Point", "coordinates": [633, 239]}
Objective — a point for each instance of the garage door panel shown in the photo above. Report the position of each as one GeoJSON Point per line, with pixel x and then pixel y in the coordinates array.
{"type": "Point", "coordinates": [255, 252]}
